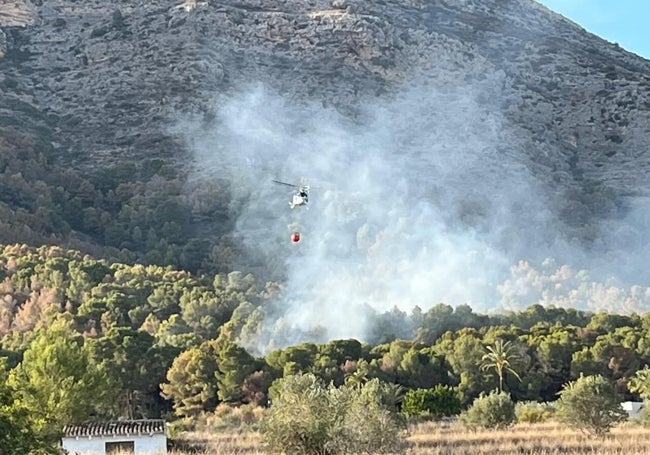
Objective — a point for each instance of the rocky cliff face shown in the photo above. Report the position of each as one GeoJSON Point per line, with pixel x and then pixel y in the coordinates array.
{"type": "Point", "coordinates": [99, 79]}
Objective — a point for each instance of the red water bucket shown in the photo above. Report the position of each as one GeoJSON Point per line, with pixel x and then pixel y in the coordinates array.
{"type": "Point", "coordinates": [295, 237]}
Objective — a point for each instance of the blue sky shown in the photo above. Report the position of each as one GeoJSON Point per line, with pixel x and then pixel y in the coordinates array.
{"type": "Point", "coordinates": [620, 21]}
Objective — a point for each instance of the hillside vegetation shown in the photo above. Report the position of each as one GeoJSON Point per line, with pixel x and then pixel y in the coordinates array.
{"type": "Point", "coordinates": [150, 132]}
{"type": "Point", "coordinates": [129, 211]}
{"type": "Point", "coordinates": [146, 341]}
{"type": "Point", "coordinates": [461, 155]}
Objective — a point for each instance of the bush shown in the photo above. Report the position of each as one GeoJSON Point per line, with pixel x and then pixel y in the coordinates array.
{"type": "Point", "coordinates": [234, 418]}
{"type": "Point", "coordinates": [495, 411]}
{"type": "Point", "coordinates": [441, 401]}
{"type": "Point", "coordinates": [644, 415]}
{"type": "Point", "coordinates": [370, 423]}
{"type": "Point", "coordinates": [308, 417]}
{"type": "Point", "coordinates": [590, 403]}
{"type": "Point", "coordinates": [533, 412]}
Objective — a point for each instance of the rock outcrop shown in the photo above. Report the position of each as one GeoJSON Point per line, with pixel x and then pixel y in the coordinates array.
{"type": "Point", "coordinates": [100, 78]}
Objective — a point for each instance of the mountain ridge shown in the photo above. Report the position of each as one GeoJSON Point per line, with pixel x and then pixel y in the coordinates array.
{"type": "Point", "coordinates": [107, 78]}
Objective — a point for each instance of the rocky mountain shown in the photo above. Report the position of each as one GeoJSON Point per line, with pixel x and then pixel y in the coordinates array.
{"type": "Point", "coordinates": [100, 78]}
{"type": "Point", "coordinates": [482, 103]}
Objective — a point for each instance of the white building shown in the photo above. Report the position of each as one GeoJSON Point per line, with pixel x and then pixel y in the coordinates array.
{"type": "Point", "coordinates": [633, 408]}
{"type": "Point", "coordinates": [139, 437]}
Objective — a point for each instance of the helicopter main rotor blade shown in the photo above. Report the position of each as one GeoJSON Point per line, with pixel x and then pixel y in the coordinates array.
{"type": "Point", "coordinates": [283, 183]}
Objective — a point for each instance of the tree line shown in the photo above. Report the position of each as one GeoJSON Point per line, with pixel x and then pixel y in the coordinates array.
{"type": "Point", "coordinates": [83, 338]}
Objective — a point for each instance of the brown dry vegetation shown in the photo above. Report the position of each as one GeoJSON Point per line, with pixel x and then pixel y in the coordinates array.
{"type": "Point", "coordinates": [530, 439]}
{"type": "Point", "coordinates": [452, 438]}
{"type": "Point", "coordinates": [226, 443]}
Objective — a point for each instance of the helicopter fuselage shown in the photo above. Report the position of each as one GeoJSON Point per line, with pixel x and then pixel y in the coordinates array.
{"type": "Point", "coordinates": [300, 197]}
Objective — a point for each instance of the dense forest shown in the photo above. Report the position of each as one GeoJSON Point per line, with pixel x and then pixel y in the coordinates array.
{"type": "Point", "coordinates": [147, 341]}
{"type": "Point", "coordinates": [155, 211]}
{"type": "Point", "coordinates": [143, 211]}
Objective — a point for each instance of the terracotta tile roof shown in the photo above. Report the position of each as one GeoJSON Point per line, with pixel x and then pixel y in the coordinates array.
{"type": "Point", "coordinates": [115, 428]}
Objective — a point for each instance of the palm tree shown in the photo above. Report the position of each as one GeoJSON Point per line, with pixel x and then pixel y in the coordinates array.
{"type": "Point", "coordinates": [499, 357]}
{"type": "Point", "coordinates": [392, 395]}
{"type": "Point", "coordinates": [356, 379]}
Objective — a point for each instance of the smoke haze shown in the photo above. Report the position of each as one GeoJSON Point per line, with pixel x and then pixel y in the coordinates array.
{"type": "Point", "coordinates": [416, 201]}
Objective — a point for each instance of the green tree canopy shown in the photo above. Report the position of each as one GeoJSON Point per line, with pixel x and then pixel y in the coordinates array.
{"type": "Point", "coordinates": [234, 365]}
{"type": "Point", "coordinates": [191, 381]}
{"type": "Point", "coordinates": [464, 351]}
{"type": "Point", "coordinates": [136, 366]}
{"type": "Point", "coordinates": [308, 417]}
{"type": "Point", "coordinates": [590, 403]}
{"type": "Point", "coordinates": [436, 402]}
{"type": "Point", "coordinates": [17, 434]}
{"type": "Point", "coordinates": [640, 383]}
{"type": "Point", "coordinates": [58, 383]}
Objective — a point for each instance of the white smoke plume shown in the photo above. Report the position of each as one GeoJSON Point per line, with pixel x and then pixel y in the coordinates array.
{"type": "Point", "coordinates": [414, 202]}
{"type": "Point", "coordinates": [564, 286]}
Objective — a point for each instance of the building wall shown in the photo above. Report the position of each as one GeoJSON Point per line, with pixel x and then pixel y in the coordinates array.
{"type": "Point", "coordinates": [144, 445]}
{"type": "Point", "coordinates": [633, 408]}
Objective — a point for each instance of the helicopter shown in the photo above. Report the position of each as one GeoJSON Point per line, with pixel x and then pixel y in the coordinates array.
{"type": "Point", "coordinates": [300, 196]}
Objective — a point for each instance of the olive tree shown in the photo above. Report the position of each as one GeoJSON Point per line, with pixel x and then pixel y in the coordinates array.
{"type": "Point", "coordinates": [591, 404]}
{"type": "Point", "coordinates": [308, 417]}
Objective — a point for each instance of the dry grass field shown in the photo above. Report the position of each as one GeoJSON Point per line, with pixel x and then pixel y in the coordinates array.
{"type": "Point", "coordinates": [529, 439]}
{"type": "Point", "coordinates": [223, 443]}
{"type": "Point", "coordinates": [447, 439]}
